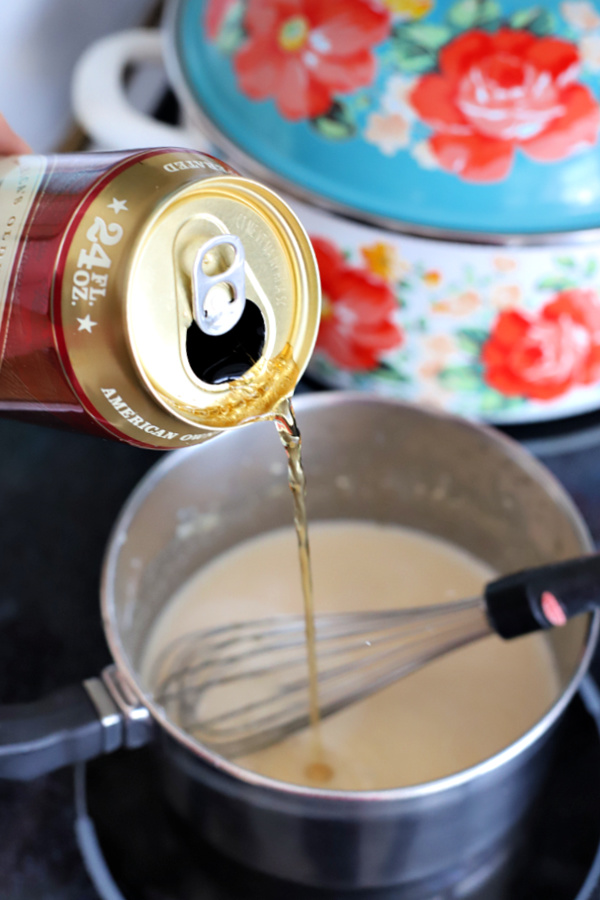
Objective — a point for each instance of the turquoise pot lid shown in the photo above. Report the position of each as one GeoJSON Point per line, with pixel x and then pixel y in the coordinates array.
{"type": "Point", "coordinates": [473, 115]}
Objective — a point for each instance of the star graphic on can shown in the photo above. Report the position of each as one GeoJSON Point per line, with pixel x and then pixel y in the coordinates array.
{"type": "Point", "coordinates": [86, 324]}
{"type": "Point", "coordinates": [118, 205]}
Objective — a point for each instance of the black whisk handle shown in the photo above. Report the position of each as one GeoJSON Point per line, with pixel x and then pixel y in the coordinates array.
{"type": "Point", "coordinates": [544, 597]}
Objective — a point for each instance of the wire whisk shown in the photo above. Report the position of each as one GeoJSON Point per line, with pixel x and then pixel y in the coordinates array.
{"type": "Point", "coordinates": [242, 687]}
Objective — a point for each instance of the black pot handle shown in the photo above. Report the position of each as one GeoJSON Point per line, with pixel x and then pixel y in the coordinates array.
{"type": "Point", "coordinates": [72, 724]}
{"type": "Point", "coordinates": [543, 597]}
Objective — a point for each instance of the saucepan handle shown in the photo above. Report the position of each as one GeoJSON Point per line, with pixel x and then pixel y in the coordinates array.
{"type": "Point", "coordinates": [544, 597]}
{"type": "Point", "coordinates": [73, 724]}
{"type": "Point", "coordinates": [102, 106]}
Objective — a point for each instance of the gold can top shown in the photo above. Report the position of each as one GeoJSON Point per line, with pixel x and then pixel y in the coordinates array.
{"type": "Point", "coordinates": [167, 227]}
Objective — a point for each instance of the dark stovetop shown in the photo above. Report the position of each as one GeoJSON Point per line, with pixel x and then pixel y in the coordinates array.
{"type": "Point", "coordinates": [59, 495]}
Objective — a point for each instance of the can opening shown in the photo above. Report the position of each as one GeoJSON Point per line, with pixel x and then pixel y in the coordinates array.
{"type": "Point", "coordinates": [217, 359]}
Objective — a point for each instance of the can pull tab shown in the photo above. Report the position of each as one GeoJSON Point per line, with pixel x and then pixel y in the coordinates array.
{"type": "Point", "coordinates": [218, 286]}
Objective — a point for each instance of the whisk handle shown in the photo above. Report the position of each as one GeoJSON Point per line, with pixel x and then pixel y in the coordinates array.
{"type": "Point", "coordinates": [544, 597]}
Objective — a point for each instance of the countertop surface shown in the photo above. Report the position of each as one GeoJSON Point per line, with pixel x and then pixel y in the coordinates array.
{"type": "Point", "coordinates": [59, 496]}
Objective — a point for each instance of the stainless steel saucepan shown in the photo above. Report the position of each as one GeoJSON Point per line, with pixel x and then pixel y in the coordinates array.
{"type": "Point", "coordinates": [400, 464]}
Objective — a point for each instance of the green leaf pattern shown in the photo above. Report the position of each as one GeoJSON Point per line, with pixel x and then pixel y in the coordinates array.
{"type": "Point", "coordinates": [468, 14]}
{"type": "Point", "coordinates": [337, 125]}
{"type": "Point", "coordinates": [415, 46]}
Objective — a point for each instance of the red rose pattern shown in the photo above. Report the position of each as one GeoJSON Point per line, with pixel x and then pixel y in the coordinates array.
{"type": "Point", "coordinates": [302, 52]}
{"type": "Point", "coordinates": [356, 322]}
{"type": "Point", "coordinates": [496, 92]}
{"type": "Point", "coordinates": [543, 355]}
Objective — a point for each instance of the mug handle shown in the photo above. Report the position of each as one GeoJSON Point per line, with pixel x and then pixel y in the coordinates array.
{"type": "Point", "coordinates": [73, 724]}
{"type": "Point", "coordinates": [100, 102]}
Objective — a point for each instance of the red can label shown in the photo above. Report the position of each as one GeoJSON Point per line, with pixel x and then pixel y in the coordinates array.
{"type": "Point", "coordinates": [20, 179]}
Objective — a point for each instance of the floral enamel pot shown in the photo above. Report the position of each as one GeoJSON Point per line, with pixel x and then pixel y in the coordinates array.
{"type": "Point", "coordinates": [443, 156]}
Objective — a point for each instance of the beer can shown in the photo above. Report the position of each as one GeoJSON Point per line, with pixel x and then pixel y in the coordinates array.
{"type": "Point", "coordinates": [106, 260]}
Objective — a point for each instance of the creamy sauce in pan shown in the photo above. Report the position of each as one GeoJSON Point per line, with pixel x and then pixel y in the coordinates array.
{"type": "Point", "coordinates": [453, 713]}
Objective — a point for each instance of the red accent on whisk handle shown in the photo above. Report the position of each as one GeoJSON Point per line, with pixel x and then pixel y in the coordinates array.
{"type": "Point", "coordinates": [544, 597]}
